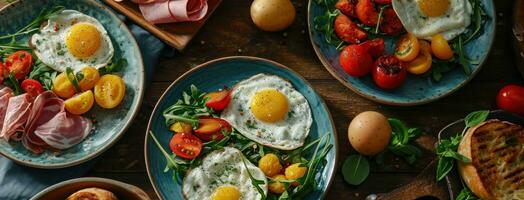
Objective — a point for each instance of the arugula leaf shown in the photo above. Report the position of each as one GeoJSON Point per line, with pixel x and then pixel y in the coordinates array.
{"type": "Point", "coordinates": [12, 83]}
{"type": "Point", "coordinates": [72, 78]}
{"type": "Point", "coordinates": [188, 109]}
{"type": "Point", "coordinates": [466, 194]}
{"type": "Point", "coordinates": [34, 25]}
{"type": "Point", "coordinates": [113, 67]}
{"type": "Point", "coordinates": [44, 74]}
{"type": "Point", "coordinates": [255, 182]}
{"type": "Point", "coordinates": [355, 169]}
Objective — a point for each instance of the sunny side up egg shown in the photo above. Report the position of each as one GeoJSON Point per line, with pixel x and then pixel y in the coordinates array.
{"type": "Point", "coordinates": [223, 176]}
{"type": "Point", "coordinates": [73, 39]}
{"type": "Point", "coordinates": [426, 18]}
{"type": "Point", "coordinates": [268, 110]}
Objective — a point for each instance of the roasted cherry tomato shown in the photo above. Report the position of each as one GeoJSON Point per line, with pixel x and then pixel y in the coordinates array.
{"type": "Point", "coordinates": [32, 87]}
{"type": "Point", "coordinates": [422, 63]}
{"type": "Point", "coordinates": [348, 31]}
{"type": "Point", "coordinates": [356, 61]}
{"type": "Point", "coordinates": [388, 72]}
{"type": "Point", "coordinates": [407, 48]}
{"type": "Point", "coordinates": [185, 145]}
{"type": "Point", "coordinates": [19, 63]}
{"type": "Point", "coordinates": [90, 77]}
{"type": "Point", "coordinates": [218, 100]}
{"type": "Point", "coordinates": [375, 47]}
{"type": "Point", "coordinates": [383, 2]}
{"type": "Point", "coordinates": [347, 7]}
{"type": "Point", "coordinates": [366, 12]}
{"type": "Point", "coordinates": [211, 128]}
{"type": "Point", "coordinates": [391, 24]}
{"type": "Point", "coordinates": [441, 48]}
{"type": "Point", "coordinates": [80, 103]}
{"type": "Point", "coordinates": [3, 72]}
{"type": "Point", "coordinates": [109, 91]}
{"type": "Point", "coordinates": [511, 98]}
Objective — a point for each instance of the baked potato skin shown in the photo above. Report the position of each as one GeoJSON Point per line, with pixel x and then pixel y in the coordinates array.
{"type": "Point", "coordinates": [92, 194]}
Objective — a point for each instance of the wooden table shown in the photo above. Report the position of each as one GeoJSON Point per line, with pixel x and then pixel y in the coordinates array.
{"type": "Point", "coordinates": [230, 31]}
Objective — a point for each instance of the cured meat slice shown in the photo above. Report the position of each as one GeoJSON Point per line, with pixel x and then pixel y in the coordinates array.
{"type": "Point", "coordinates": [17, 112]}
{"type": "Point", "coordinates": [64, 130]}
{"type": "Point", "coordinates": [168, 11]}
{"type": "Point", "coordinates": [5, 94]}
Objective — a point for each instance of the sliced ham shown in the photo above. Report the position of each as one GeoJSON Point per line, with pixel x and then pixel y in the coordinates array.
{"type": "Point", "coordinates": [17, 113]}
{"type": "Point", "coordinates": [64, 130]}
{"type": "Point", "coordinates": [5, 94]}
{"type": "Point", "coordinates": [168, 11]}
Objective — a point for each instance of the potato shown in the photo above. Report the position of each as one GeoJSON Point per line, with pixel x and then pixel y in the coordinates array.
{"type": "Point", "coordinates": [272, 15]}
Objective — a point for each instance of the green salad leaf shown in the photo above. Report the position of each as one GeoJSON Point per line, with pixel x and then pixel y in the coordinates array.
{"type": "Point", "coordinates": [355, 169]}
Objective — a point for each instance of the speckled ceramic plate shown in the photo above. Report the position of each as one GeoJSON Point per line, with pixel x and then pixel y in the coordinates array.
{"type": "Point", "coordinates": [111, 124]}
{"type": "Point", "coordinates": [417, 89]}
{"type": "Point", "coordinates": [212, 76]}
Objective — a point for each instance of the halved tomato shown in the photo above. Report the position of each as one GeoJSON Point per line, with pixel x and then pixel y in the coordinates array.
{"type": "Point", "coordinates": [348, 31]}
{"type": "Point", "coordinates": [109, 91]}
{"type": "Point", "coordinates": [440, 47]}
{"type": "Point", "coordinates": [185, 145]}
{"type": "Point", "coordinates": [422, 63]}
{"type": "Point", "coordinates": [3, 72]}
{"type": "Point", "coordinates": [211, 128]}
{"type": "Point", "coordinates": [32, 87]}
{"type": "Point", "coordinates": [347, 7]}
{"type": "Point", "coordinates": [80, 103]}
{"type": "Point", "coordinates": [391, 24]}
{"type": "Point", "coordinates": [218, 100]}
{"type": "Point", "coordinates": [407, 48]}
{"type": "Point", "coordinates": [375, 47]}
{"type": "Point", "coordinates": [366, 12]}
{"type": "Point", "coordinates": [19, 63]}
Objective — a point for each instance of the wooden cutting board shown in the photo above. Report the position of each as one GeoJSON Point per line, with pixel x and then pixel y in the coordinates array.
{"type": "Point", "coordinates": [518, 34]}
{"type": "Point", "coordinates": [176, 35]}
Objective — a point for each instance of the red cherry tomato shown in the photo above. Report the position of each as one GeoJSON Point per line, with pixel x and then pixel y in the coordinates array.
{"type": "Point", "coordinates": [3, 72]}
{"type": "Point", "coordinates": [347, 7]}
{"type": "Point", "coordinates": [32, 87]}
{"type": "Point", "coordinates": [383, 2]}
{"type": "Point", "coordinates": [511, 98]}
{"type": "Point", "coordinates": [185, 145]}
{"type": "Point", "coordinates": [211, 128]}
{"type": "Point", "coordinates": [356, 61]}
{"type": "Point", "coordinates": [388, 72]}
{"type": "Point", "coordinates": [391, 24]}
{"type": "Point", "coordinates": [375, 47]}
{"type": "Point", "coordinates": [348, 31]}
{"type": "Point", "coordinates": [366, 13]}
{"type": "Point", "coordinates": [218, 100]}
{"type": "Point", "coordinates": [19, 63]}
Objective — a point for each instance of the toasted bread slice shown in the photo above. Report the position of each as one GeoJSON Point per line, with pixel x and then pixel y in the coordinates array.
{"type": "Point", "coordinates": [496, 150]}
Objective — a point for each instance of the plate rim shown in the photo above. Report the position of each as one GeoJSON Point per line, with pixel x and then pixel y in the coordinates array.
{"type": "Point", "coordinates": [332, 172]}
{"type": "Point", "coordinates": [120, 133]}
{"type": "Point", "coordinates": [333, 73]}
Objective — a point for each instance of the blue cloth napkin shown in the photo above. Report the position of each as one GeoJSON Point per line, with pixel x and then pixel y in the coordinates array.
{"type": "Point", "coordinates": [18, 182]}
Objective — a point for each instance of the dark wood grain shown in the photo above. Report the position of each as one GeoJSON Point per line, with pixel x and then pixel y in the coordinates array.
{"type": "Point", "coordinates": [230, 32]}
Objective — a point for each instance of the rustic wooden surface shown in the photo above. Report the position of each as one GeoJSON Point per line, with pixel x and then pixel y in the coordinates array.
{"type": "Point", "coordinates": [231, 32]}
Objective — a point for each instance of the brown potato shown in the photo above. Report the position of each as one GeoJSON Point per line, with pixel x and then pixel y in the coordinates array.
{"type": "Point", "coordinates": [272, 15]}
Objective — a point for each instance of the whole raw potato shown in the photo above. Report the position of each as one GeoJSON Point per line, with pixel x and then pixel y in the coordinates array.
{"type": "Point", "coordinates": [369, 133]}
{"type": "Point", "coordinates": [272, 15]}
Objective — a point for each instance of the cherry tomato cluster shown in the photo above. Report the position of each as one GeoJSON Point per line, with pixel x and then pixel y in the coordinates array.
{"type": "Point", "coordinates": [19, 64]}
{"type": "Point", "coordinates": [187, 141]}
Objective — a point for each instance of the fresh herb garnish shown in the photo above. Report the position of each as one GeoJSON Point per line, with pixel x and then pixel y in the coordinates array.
{"type": "Point", "coordinates": [73, 79]}
{"type": "Point", "coordinates": [380, 18]}
{"type": "Point", "coordinates": [114, 67]}
{"type": "Point", "coordinates": [355, 169]}
{"type": "Point", "coordinates": [44, 74]}
{"type": "Point", "coordinates": [401, 137]}
{"type": "Point", "coordinates": [34, 25]}
{"type": "Point", "coordinates": [188, 109]}
{"type": "Point", "coordinates": [12, 83]}
{"type": "Point", "coordinates": [255, 182]}
{"type": "Point", "coordinates": [466, 194]}
{"type": "Point", "coordinates": [447, 148]}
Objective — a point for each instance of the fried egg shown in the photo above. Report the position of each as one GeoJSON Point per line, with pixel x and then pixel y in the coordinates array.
{"type": "Point", "coordinates": [426, 18]}
{"type": "Point", "coordinates": [73, 39]}
{"type": "Point", "coordinates": [223, 175]}
{"type": "Point", "coordinates": [268, 110]}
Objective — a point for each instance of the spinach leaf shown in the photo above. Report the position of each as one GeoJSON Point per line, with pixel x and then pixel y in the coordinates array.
{"type": "Point", "coordinates": [355, 169]}
{"type": "Point", "coordinates": [475, 118]}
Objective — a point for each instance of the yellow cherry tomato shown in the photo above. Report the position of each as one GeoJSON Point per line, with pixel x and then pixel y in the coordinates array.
{"type": "Point", "coordinates": [181, 127]}
{"type": "Point", "coordinates": [63, 87]}
{"type": "Point", "coordinates": [270, 164]}
{"type": "Point", "coordinates": [80, 103]}
{"type": "Point", "coordinates": [109, 91]}
{"type": "Point", "coordinates": [90, 77]}
{"type": "Point", "coordinates": [277, 187]}
{"type": "Point", "coordinates": [441, 48]}
{"type": "Point", "coordinates": [294, 172]}
{"type": "Point", "coordinates": [422, 63]}
{"type": "Point", "coordinates": [407, 48]}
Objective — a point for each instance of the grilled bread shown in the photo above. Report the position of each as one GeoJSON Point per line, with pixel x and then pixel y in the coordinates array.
{"type": "Point", "coordinates": [496, 150]}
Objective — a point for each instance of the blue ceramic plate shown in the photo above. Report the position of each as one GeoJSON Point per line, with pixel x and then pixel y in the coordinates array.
{"type": "Point", "coordinates": [212, 76]}
{"type": "Point", "coordinates": [111, 124]}
{"type": "Point", "coordinates": [417, 89]}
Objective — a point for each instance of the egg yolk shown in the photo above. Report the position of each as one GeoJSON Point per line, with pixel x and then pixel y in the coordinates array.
{"type": "Point", "coordinates": [433, 8]}
{"type": "Point", "coordinates": [269, 105]}
{"type": "Point", "coordinates": [83, 40]}
{"type": "Point", "coordinates": [226, 193]}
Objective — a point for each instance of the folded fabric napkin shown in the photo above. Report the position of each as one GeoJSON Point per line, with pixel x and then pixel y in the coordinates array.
{"type": "Point", "coordinates": [18, 182]}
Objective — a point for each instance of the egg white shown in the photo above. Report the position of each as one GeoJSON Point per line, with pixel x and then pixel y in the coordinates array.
{"type": "Point", "coordinates": [50, 44]}
{"type": "Point", "coordinates": [286, 134]}
{"type": "Point", "coordinates": [221, 168]}
{"type": "Point", "coordinates": [451, 24]}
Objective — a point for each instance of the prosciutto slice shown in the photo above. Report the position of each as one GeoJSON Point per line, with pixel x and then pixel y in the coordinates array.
{"type": "Point", "coordinates": [64, 130]}
{"type": "Point", "coordinates": [5, 94]}
{"type": "Point", "coordinates": [168, 11]}
{"type": "Point", "coordinates": [17, 113]}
